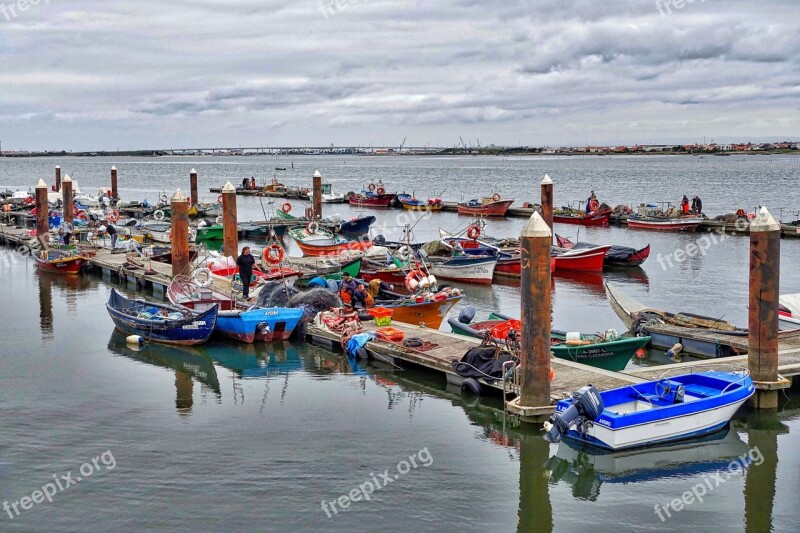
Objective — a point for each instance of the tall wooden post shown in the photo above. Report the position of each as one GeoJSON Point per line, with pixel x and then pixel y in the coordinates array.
{"type": "Point", "coordinates": [765, 260]}
{"type": "Point", "coordinates": [42, 212]}
{"type": "Point", "coordinates": [317, 194]}
{"type": "Point", "coordinates": [66, 192]}
{"type": "Point", "coordinates": [114, 190]}
{"type": "Point", "coordinates": [193, 186]}
{"type": "Point", "coordinates": [547, 201]}
{"type": "Point", "coordinates": [535, 239]}
{"type": "Point", "coordinates": [230, 228]}
{"type": "Point", "coordinates": [58, 179]}
{"type": "Point", "coordinates": [180, 234]}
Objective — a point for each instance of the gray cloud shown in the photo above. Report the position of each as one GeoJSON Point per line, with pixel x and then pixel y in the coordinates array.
{"type": "Point", "coordinates": [102, 74]}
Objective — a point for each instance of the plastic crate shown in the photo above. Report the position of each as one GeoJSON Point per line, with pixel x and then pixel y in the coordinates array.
{"type": "Point", "coordinates": [382, 315]}
{"type": "Point", "coordinates": [390, 334]}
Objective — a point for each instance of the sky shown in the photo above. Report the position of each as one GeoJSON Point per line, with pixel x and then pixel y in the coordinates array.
{"type": "Point", "coordinates": [150, 74]}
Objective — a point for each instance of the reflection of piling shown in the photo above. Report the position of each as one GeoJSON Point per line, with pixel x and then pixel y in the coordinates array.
{"type": "Point", "coordinates": [58, 179]}
{"type": "Point", "coordinates": [765, 252]}
{"type": "Point", "coordinates": [317, 194]}
{"type": "Point", "coordinates": [42, 212]}
{"type": "Point", "coordinates": [114, 190]}
{"type": "Point", "coordinates": [535, 510]}
{"type": "Point", "coordinates": [547, 201]}
{"type": "Point", "coordinates": [184, 392]}
{"type": "Point", "coordinates": [66, 192]}
{"type": "Point", "coordinates": [230, 229]}
{"type": "Point", "coordinates": [46, 307]}
{"type": "Point", "coordinates": [179, 234]}
{"type": "Point", "coordinates": [535, 347]}
{"type": "Point", "coordinates": [763, 428]}
{"type": "Point", "coordinates": [193, 186]}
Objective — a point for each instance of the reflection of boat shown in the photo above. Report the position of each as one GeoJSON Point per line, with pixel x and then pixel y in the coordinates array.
{"type": "Point", "coordinates": [178, 358]}
{"type": "Point", "coordinates": [586, 469]}
{"type": "Point", "coordinates": [254, 360]}
{"type": "Point", "coordinates": [652, 412]}
{"type": "Point", "coordinates": [158, 322]}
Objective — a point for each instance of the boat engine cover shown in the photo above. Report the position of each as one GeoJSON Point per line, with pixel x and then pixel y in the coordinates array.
{"type": "Point", "coordinates": [586, 404]}
{"type": "Point", "coordinates": [467, 314]}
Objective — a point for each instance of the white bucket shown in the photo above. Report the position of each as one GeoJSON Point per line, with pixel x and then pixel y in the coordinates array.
{"type": "Point", "coordinates": [573, 336]}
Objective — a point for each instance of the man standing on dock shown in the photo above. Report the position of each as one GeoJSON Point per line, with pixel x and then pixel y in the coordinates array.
{"type": "Point", "coordinates": [245, 263]}
{"type": "Point", "coordinates": [66, 230]}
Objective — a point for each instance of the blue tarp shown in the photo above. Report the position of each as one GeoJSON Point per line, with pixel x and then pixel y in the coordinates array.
{"type": "Point", "coordinates": [358, 341]}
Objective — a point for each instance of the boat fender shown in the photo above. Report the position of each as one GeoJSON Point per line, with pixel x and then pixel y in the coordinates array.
{"type": "Point", "coordinates": [158, 215]}
{"type": "Point", "coordinates": [471, 386]}
{"type": "Point", "coordinates": [467, 314]}
{"type": "Point", "coordinates": [286, 207]}
{"type": "Point", "coordinates": [432, 280]}
{"type": "Point", "coordinates": [573, 336]}
{"type": "Point", "coordinates": [203, 277]}
{"type": "Point", "coordinates": [496, 197]}
{"type": "Point", "coordinates": [312, 228]}
{"type": "Point", "coordinates": [675, 350]}
{"type": "Point", "coordinates": [134, 339]}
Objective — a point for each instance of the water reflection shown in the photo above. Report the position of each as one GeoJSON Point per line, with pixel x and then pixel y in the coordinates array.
{"type": "Point", "coordinates": [189, 364]}
{"type": "Point", "coordinates": [586, 469]}
{"type": "Point", "coordinates": [46, 306]}
{"type": "Point", "coordinates": [763, 428]}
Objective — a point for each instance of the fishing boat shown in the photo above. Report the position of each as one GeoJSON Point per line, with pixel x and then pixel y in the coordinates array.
{"type": "Point", "coordinates": [789, 312]}
{"type": "Point", "coordinates": [487, 207]}
{"type": "Point", "coordinates": [355, 227]}
{"type": "Point", "coordinates": [161, 231]}
{"type": "Point", "coordinates": [323, 243]}
{"type": "Point", "coordinates": [686, 223]}
{"type": "Point", "coordinates": [332, 268]}
{"type": "Point", "coordinates": [328, 196]}
{"type": "Point", "coordinates": [413, 204]}
{"type": "Point", "coordinates": [604, 350]}
{"type": "Point", "coordinates": [263, 229]}
{"type": "Point", "coordinates": [372, 199]}
{"type": "Point", "coordinates": [616, 255]}
{"type": "Point", "coordinates": [156, 322]}
{"type": "Point", "coordinates": [60, 261]}
{"type": "Point", "coordinates": [235, 320]}
{"type": "Point", "coordinates": [652, 412]}
{"type": "Point", "coordinates": [210, 233]}
{"type": "Point", "coordinates": [597, 218]}
{"type": "Point", "coordinates": [642, 319]}
{"type": "Point", "coordinates": [226, 267]}
{"type": "Point", "coordinates": [584, 260]}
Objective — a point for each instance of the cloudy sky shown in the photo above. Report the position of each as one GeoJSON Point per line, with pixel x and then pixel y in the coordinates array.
{"type": "Point", "coordinates": [101, 74]}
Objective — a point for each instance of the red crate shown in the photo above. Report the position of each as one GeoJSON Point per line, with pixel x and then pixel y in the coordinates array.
{"type": "Point", "coordinates": [390, 334]}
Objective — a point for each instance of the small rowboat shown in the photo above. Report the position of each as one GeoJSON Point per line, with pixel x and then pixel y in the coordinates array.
{"type": "Point", "coordinates": [574, 216]}
{"type": "Point", "coordinates": [584, 260]}
{"type": "Point", "coordinates": [688, 223]}
{"type": "Point", "coordinates": [235, 319]}
{"type": "Point", "coordinates": [465, 268]}
{"type": "Point", "coordinates": [650, 413]}
{"type": "Point", "coordinates": [487, 207]}
{"type": "Point", "coordinates": [323, 243]}
{"type": "Point", "coordinates": [210, 233]}
{"type": "Point", "coordinates": [157, 322]}
{"type": "Point", "coordinates": [616, 255]}
{"type": "Point", "coordinates": [60, 261]}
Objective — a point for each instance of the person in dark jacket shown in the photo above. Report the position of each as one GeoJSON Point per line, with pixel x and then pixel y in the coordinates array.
{"type": "Point", "coordinates": [697, 205]}
{"type": "Point", "coordinates": [245, 262]}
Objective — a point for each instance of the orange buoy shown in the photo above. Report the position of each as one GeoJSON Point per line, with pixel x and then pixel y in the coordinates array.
{"type": "Point", "coordinates": [640, 353]}
{"type": "Point", "coordinates": [552, 374]}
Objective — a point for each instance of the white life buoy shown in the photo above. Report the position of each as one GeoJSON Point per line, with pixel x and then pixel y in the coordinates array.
{"type": "Point", "coordinates": [158, 215]}
{"type": "Point", "coordinates": [202, 277]}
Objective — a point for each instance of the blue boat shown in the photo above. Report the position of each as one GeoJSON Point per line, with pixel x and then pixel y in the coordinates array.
{"type": "Point", "coordinates": [235, 320]}
{"type": "Point", "coordinates": [355, 227]}
{"type": "Point", "coordinates": [652, 412]}
{"type": "Point", "coordinates": [157, 322]}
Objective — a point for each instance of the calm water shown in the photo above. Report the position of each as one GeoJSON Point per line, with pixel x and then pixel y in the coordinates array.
{"type": "Point", "coordinates": [226, 437]}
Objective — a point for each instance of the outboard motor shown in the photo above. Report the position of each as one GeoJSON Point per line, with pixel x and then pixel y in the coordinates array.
{"type": "Point", "coordinates": [586, 404]}
{"type": "Point", "coordinates": [467, 314]}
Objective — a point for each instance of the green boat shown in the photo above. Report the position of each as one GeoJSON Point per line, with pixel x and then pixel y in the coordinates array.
{"type": "Point", "coordinates": [210, 233]}
{"type": "Point", "coordinates": [328, 271]}
{"type": "Point", "coordinates": [592, 350]}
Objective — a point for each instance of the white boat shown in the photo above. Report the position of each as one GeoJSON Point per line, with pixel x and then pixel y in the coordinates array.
{"type": "Point", "coordinates": [328, 196]}
{"type": "Point", "coordinates": [652, 412]}
{"type": "Point", "coordinates": [789, 315]}
{"type": "Point", "coordinates": [465, 268]}
{"type": "Point", "coordinates": [22, 197]}
{"type": "Point", "coordinates": [161, 232]}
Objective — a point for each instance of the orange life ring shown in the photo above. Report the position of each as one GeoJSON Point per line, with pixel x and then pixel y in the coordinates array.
{"type": "Point", "coordinates": [286, 207]}
{"type": "Point", "coordinates": [474, 231]}
{"type": "Point", "coordinates": [496, 197]}
{"type": "Point", "coordinates": [273, 258]}
{"type": "Point", "coordinates": [219, 199]}
{"type": "Point", "coordinates": [380, 190]}
{"type": "Point", "coordinates": [594, 205]}
{"type": "Point", "coordinates": [412, 279]}
{"type": "Point", "coordinates": [312, 227]}
{"type": "Point", "coordinates": [371, 186]}
{"type": "Point", "coordinates": [113, 216]}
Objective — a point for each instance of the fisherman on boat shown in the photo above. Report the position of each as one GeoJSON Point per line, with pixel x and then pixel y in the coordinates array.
{"type": "Point", "coordinates": [685, 205]}
{"type": "Point", "coordinates": [697, 205]}
{"type": "Point", "coordinates": [245, 263]}
{"type": "Point", "coordinates": [592, 204]}
{"type": "Point", "coordinates": [352, 293]}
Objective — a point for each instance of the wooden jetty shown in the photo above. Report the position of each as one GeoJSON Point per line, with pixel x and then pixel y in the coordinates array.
{"type": "Point", "coordinates": [292, 193]}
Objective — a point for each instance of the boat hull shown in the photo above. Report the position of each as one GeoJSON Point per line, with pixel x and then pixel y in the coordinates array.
{"type": "Point", "coordinates": [588, 260]}
{"type": "Point", "coordinates": [210, 233]}
{"type": "Point", "coordinates": [378, 200]}
{"type": "Point", "coordinates": [597, 219]}
{"type": "Point", "coordinates": [336, 249]}
{"type": "Point", "coordinates": [60, 266]}
{"type": "Point", "coordinates": [476, 271]}
{"type": "Point", "coordinates": [491, 209]}
{"type": "Point", "coordinates": [430, 314]}
{"type": "Point", "coordinates": [248, 326]}
{"type": "Point", "coordinates": [672, 224]}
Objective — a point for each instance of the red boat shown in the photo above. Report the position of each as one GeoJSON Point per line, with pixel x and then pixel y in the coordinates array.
{"type": "Point", "coordinates": [394, 276]}
{"type": "Point", "coordinates": [689, 223]}
{"type": "Point", "coordinates": [585, 260]}
{"type": "Point", "coordinates": [226, 267]}
{"type": "Point", "coordinates": [372, 200]}
{"type": "Point", "coordinates": [60, 261]}
{"type": "Point", "coordinates": [616, 256]}
{"type": "Point", "coordinates": [573, 216]}
{"type": "Point", "coordinates": [488, 207]}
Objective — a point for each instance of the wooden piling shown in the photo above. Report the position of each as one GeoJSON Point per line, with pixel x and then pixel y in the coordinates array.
{"type": "Point", "coordinates": [193, 186]}
{"type": "Point", "coordinates": [179, 234]}
{"type": "Point", "coordinates": [535, 239]}
{"type": "Point", "coordinates": [114, 191]}
{"type": "Point", "coordinates": [42, 212]}
{"type": "Point", "coordinates": [230, 229]}
{"type": "Point", "coordinates": [317, 194]}
{"type": "Point", "coordinates": [765, 256]}
{"type": "Point", "coordinates": [66, 192]}
{"type": "Point", "coordinates": [547, 201]}
{"type": "Point", "coordinates": [58, 179]}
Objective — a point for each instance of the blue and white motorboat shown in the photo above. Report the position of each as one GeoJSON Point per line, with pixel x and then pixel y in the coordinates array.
{"type": "Point", "coordinates": [652, 412]}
